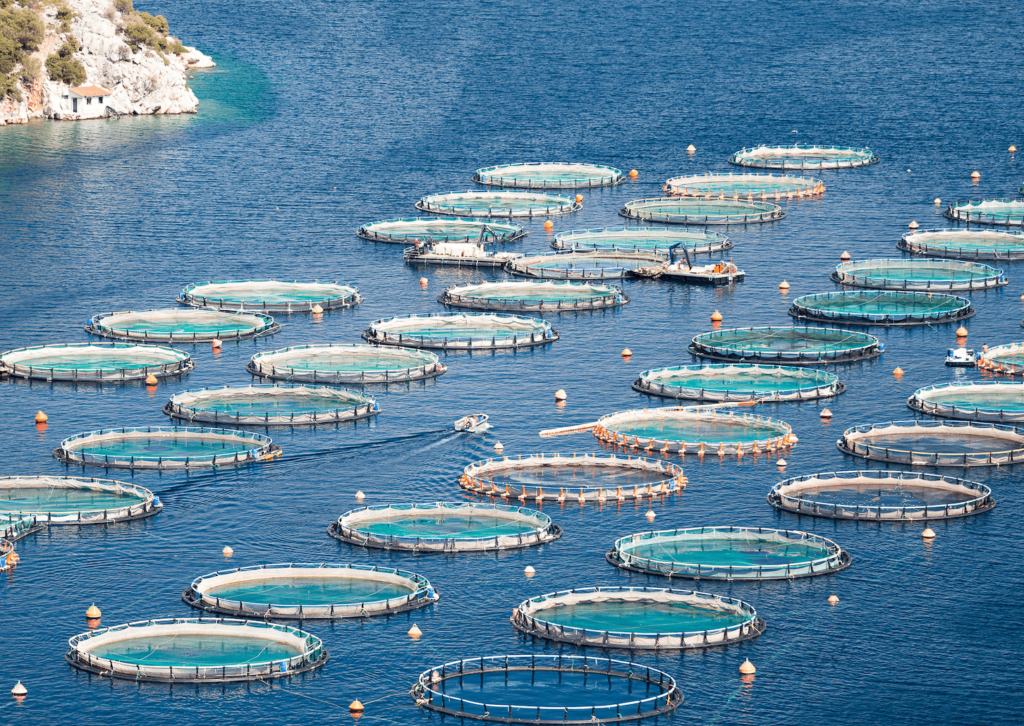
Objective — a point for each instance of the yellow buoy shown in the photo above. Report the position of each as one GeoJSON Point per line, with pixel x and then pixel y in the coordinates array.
{"type": "Point", "coordinates": [549, 225]}
{"type": "Point", "coordinates": [633, 173]}
{"type": "Point", "coordinates": [845, 257]}
{"type": "Point", "coordinates": [833, 600]}
{"type": "Point", "coordinates": [423, 281]}
{"type": "Point", "coordinates": [42, 417]}
{"type": "Point", "coordinates": [530, 572]}
{"type": "Point", "coordinates": [716, 317]}
{"type": "Point", "coordinates": [355, 706]}
{"type": "Point", "coordinates": [151, 380]}
{"type": "Point", "coordinates": [747, 668]}
{"type": "Point", "coordinates": [898, 372]}
{"type": "Point", "coordinates": [825, 413]}
{"type": "Point", "coordinates": [975, 175]}
{"type": "Point", "coordinates": [19, 690]}
{"type": "Point", "coordinates": [414, 631]}
{"type": "Point", "coordinates": [961, 332]}
{"type": "Point", "coordinates": [626, 352]}
{"type": "Point", "coordinates": [560, 395]}
{"type": "Point", "coordinates": [227, 551]}
{"type": "Point", "coordinates": [691, 148]}
{"type": "Point", "coordinates": [913, 224]}
{"type": "Point", "coordinates": [783, 285]}
{"type": "Point", "coordinates": [93, 612]}
{"type": "Point", "coordinates": [360, 496]}
{"type": "Point", "coordinates": [928, 533]}
{"type": "Point", "coordinates": [317, 309]}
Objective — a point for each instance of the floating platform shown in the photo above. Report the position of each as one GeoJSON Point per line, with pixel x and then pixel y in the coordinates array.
{"type": "Point", "coordinates": [879, 495]}
{"type": "Point", "coordinates": [457, 254]}
{"type": "Point", "coordinates": [659, 240]}
{"type": "Point", "coordinates": [997, 212]}
{"type": "Point", "coordinates": [689, 430]}
{"type": "Point", "coordinates": [786, 345]}
{"type": "Point", "coordinates": [61, 500]}
{"type": "Point", "coordinates": [748, 187]}
{"type": "Point", "coordinates": [343, 363]}
{"type": "Point", "coordinates": [802, 156]}
{"type": "Point", "coordinates": [935, 443]}
{"type": "Point", "coordinates": [533, 297]}
{"type": "Point", "coordinates": [310, 591]}
{"type": "Point", "coordinates": [882, 308]}
{"type": "Point", "coordinates": [549, 175]}
{"type": "Point", "coordinates": [444, 527]}
{"type": "Point", "coordinates": [461, 331]}
{"type": "Point", "coordinates": [738, 382]}
{"type": "Point", "coordinates": [440, 230]}
{"type": "Point", "coordinates": [95, 362]}
{"type": "Point", "coordinates": [498, 204]}
{"type": "Point", "coordinates": [992, 402]}
{"type": "Point", "coordinates": [965, 244]}
{"type": "Point", "coordinates": [583, 265]}
{"type": "Point", "coordinates": [270, 296]}
{"type": "Point", "coordinates": [181, 325]}
{"type": "Point", "coordinates": [698, 212]}
{"type": "Point", "coordinates": [189, 650]}
{"type": "Point", "coordinates": [271, 405]}
{"type": "Point", "coordinates": [923, 275]}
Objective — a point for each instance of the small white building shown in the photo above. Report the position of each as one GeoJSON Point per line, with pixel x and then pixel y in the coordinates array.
{"type": "Point", "coordinates": [88, 101]}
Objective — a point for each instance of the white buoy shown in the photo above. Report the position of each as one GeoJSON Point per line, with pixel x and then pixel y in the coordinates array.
{"type": "Point", "coordinates": [530, 572]}
{"type": "Point", "coordinates": [833, 600]}
{"type": "Point", "coordinates": [360, 496]}
{"type": "Point", "coordinates": [19, 690]}
{"type": "Point", "coordinates": [781, 463]}
{"type": "Point", "coordinates": [691, 148]}
{"type": "Point", "coordinates": [499, 447]}
{"type": "Point", "coordinates": [913, 224]}
{"type": "Point", "coordinates": [227, 551]}
{"type": "Point", "coordinates": [414, 631]}
{"type": "Point", "coordinates": [650, 514]}
{"type": "Point", "coordinates": [928, 533]}
{"type": "Point", "coordinates": [317, 309]}
{"type": "Point", "coordinates": [560, 395]}
{"type": "Point", "coordinates": [938, 201]}
{"type": "Point", "coordinates": [825, 413]}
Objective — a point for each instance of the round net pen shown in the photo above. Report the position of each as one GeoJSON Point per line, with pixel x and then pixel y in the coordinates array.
{"type": "Point", "coordinates": [574, 477]}
{"type": "Point", "coordinates": [583, 266]}
{"type": "Point", "coordinates": [445, 527]}
{"type": "Point", "coordinates": [882, 308]}
{"type": "Point", "coordinates": [57, 500]}
{"type": "Point", "coordinates": [310, 591]}
{"type": "Point", "coordinates": [881, 495]}
{"type": "Point", "coordinates": [638, 618]}
{"type": "Point", "coordinates": [1006, 358]}
{"type": "Point", "coordinates": [659, 240]}
{"type": "Point", "coordinates": [342, 363]}
{"type": "Point", "coordinates": [440, 230]}
{"type": "Point", "coordinates": [189, 650]}
{"type": "Point", "coordinates": [801, 156]}
{"type": "Point", "coordinates": [270, 296]}
{"type": "Point", "coordinates": [181, 325]}
{"type": "Point", "coordinates": [965, 244]}
{"type": "Point", "coordinates": [461, 331]}
{"type": "Point", "coordinates": [463, 688]}
{"type": "Point", "coordinates": [925, 275]}
{"type": "Point", "coordinates": [684, 210]}
{"type": "Point", "coordinates": [751, 187]}
{"type": "Point", "coordinates": [738, 382]}
{"type": "Point", "coordinates": [165, 447]}
{"type": "Point", "coordinates": [996, 212]}
{"type": "Point", "coordinates": [935, 443]}
{"type": "Point", "coordinates": [15, 526]}
{"type": "Point", "coordinates": [689, 430]}
{"type": "Point", "coordinates": [786, 345]}
{"type": "Point", "coordinates": [271, 405]}
{"type": "Point", "coordinates": [729, 553]}
{"type": "Point", "coordinates": [549, 175]}
{"type": "Point", "coordinates": [992, 402]}
{"type": "Point", "coordinates": [95, 362]}
{"type": "Point", "coordinates": [533, 297]}
{"type": "Point", "coordinates": [498, 204]}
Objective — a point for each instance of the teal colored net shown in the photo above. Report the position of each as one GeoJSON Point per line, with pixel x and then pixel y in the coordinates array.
{"type": "Point", "coordinates": [192, 650]}
{"type": "Point", "coordinates": [582, 265]}
{"type": "Point", "coordinates": [768, 341]}
{"type": "Point", "coordinates": [549, 175]}
{"type": "Point", "coordinates": [1007, 212]}
{"type": "Point", "coordinates": [897, 270]}
{"type": "Point", "coordinates": [1011, 354]}
{"type": "Point", "coordinates": [554, 476]}
{"type": "Point", "coordinates": [533, 291]}
{"type": "Point", "coordinates": [705, 427]}
{"type": "Point", "coordinates": [643, 239]}
{"type": "Point", "coordinates": [678, 210]}
{"type": "Point", "coordinates": [728, 550]}
{"type": "Point", "coordinates": [163, 446]}
{"type": "Point", "coordinates": [180, 323]}
{"type": "Point", "coordinates": [485, 204]}
{"type": "Point", "coordinates": [345, 358]}
{"type": "Point", "coordinates": [743, 185]}
{"type": "Point", "coordinates": [258, 293]}
{"type": "Point", "coordinates": [86, 357]}
{"type": "Point", "coordinates": [994, 397]}
{"type": "Point", "coordinates": [740, 379]}
{"type": "Point", "coordinates": [650, 616]}
{"type": "Point", "coordinates": [269, 400]}
{"type": "Point", "coordinates": [881, 307]}
{"type": "Point", "coordinates": [440, 230]}
{"type": "Point", "coordinates": [59, 495]}
{"type": "Point", "coordinates": [928, 441]}
{"type": "Point", "coordinates": [310, 590]}
{"type": "Point", "coordinates": [446, 525]}
{"type": "Point", "coordinates": [528, 690]}
{"type": "Point", "coordinates": [965, 243]}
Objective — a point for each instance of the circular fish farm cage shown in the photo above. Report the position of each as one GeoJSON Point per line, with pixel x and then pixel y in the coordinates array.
{"type": "Point", "coordinates": [750, 187]}
{"type": "Point", "coordinates": [533, 297]}
{"type": "Point", "coordinates": [547, 690]}
{"type": "Point", "coordinates": [926, 275]}
{"type": "Point", "coordinates": [549, 175]}
{"type": "Point", "coordinates": [801, 156]}
{"type": "Point", "coordinates": [638, 618]}
{"type": "Point", "coordinates": [95, 362]}
{"type": "Point", "coordinates": [461, 331]}
{"type": "Point", "coordinates": [965, 244]}
{"type": "Point", "coordinates": [445, 527]}
{"type": "Point", "coordinates": [786, 345]}
{"type": "Point", "coordinates": [659, 240]}
{"type": "Point", "coordinates": [498, 204]}
{"type": "Point", "coordinates": [1006, 358]}
{"type": "Point", "coordinates": [729, 553]}
{"type": "Point", "coordinates": [739, 382]}
{"type": "Point", "coordinates": [576, 477]}
{"type": "Point", "coordinates": [60, 500]}
{"type": "Point", "coordinates": [881, 495]}
{"type": "Point", "coordinates": [271, 405]}
{"type": "Point", "coordinates": [165, 447]}
{"type": "Point", "coordinates": [310, 591]}
{"type": "Point", "coordinates": [684, 210]}
{"type": "Point", "coordinates": [343, 363]}
{"type": "Point", "coordinates": [181, 325]}
{"type": "Point", "coordinates": [689, 430]}
{"type": "Point", "coordinates": [190, 650]}
{"type": "Point", "coordinates": [270, 296]}
{"type": "Point", "coordinates": [882, 308]}
{"type": "Point", "coordinates": [596, 265]}
{"type": "Point", "coordinates": [999, 212]}
{"type": "Point", "coordinates": [993, 402]}
{"type": "Point", "coordinates": [433, 229]}
{"type": "Point", "coordinates": [935, 443]}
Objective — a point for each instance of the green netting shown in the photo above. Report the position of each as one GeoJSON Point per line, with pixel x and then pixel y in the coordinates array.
{"type": "Point", "coordinates": [786, 345]}
{"type": "Point", "coordinates": [738, 382]}
{"type": "Point", "coordinates": [753, 186]}
{"type": "Point", "coordinates": [533, 296]}
{"type": "Point", "coordinates": [583, 265]}
{"type": "Point", "coordinates": [461, 330]}
{"type": "Point", "coordinates": [430, 229]}
{"type": "Point", "coordinates": [549, 175]}
{"type": "Point", "coordinates": [498, 204]}
{"type": "Point", "coordinates": [346, 364]}
{"type": "Point", "coordinates": [935, 443]}
{"type": "Point", "coordinates": [965, 244]}
{"type": "Point", "coordinates": [95, 361]}
{"type": "Point", "coordinates": [180, 324]}
{"type": "Point", "coordinates": [64, 500]}
{"type": "Point", "coordinates": [16, 526]}
{"type": "Point", "coordinates": [160, 447]}
{"type": "Point", "coordinates": [641, 239]}
{"type": "Point", "coordinates": [1003, 212]}
{"type": "Point", "coordinates": [270, 404]}
{"type": "Point", "coordinates": [900, 274]}
{"type": "Point", "coordinates": [682, 210]}
{"type": "Point", "coordinates": [270, 295]}
{"type": "Point", "coordinates": [982, 401]}
{"type": "Point", "coordinates": [802, 156]}
{"type": "Point", "coordinates": [882, 308]}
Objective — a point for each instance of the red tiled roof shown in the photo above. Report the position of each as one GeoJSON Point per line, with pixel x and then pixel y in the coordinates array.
{"type": "Point", "coordinates": [86, 91]}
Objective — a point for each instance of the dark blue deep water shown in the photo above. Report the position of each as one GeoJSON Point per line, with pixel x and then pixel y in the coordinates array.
{"type": "Point", "coordinates": [325, 115]}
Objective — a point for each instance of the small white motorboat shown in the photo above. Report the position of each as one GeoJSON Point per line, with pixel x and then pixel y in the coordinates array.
{"type": "Point", "coordinates": [961, 358]}
{"type": "Point", "coordinates": [473, 423]}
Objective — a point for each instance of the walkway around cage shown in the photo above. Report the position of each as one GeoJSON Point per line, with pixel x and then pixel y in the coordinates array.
{"type": "Point", "coordinates": [112, 501]}
{"type": "Point", "coordinates": [806, 345]}
{"type": "Point", "coordinates": [748, 187]}
{"type": "Point", "coordinates": [926, 275]}
{"type": "Point", "coordinates": [313, 405]}
{"type": "Point", "coordinates": [270, 296]}
{"type": "Point", "coordinates": [440, 230]}
{"type": "Point", "coordinates": [498, 204]}
{"type": "Point", "coordinates": [659, 240]}
{"type": "Point", "coordinates": [1003, 445]}
{"type": "Point", "coordinates": [346, 363]}
{"type": "Point", "coordinates": [456, 332]}
{"type": "Point", "coordinates": [181, 325]}
{"type": "Point", "coordinates": [430, 690]}
{"type": "Point", "coordinates": [549, 175]}
{"type": "Point", "coordinates": [800, 156]}
{"type": "Point", "coordinates": [803, 495]}
{"type": "Point", "coordinates": [528, 297]}
{"type": "Point", "coordinates": [892, 308]}
{"type": "Point", "coordinates": [989, 401]}
{"type": "Point", "coordinates": [1006, 212]}
{"type": "Point", "coordinates": [584, 266]}
{"type": "Point", "coordinates": [964, 244]}
{"type": "Point", "coordinates": [738, 382]}
{"type": "Point", "coordinates": [95, 362]}
{"type": "Point", "coordinates": [701, 212]}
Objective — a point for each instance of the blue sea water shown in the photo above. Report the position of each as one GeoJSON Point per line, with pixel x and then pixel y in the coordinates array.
{"type": "Point", "coordinates": [322, 116]}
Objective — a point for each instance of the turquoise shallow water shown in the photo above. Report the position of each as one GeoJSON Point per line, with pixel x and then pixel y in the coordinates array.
{"type": "Point", "coordinates": [627, 616]}
{"type": "Point", "coordinates": [309, 591]}
{"type": "Point", "coordinates": [980, 398]}
{"type": "Point", "coordinates": [195, 650]}
{"type": "Point", "coordinates": [924, 273]}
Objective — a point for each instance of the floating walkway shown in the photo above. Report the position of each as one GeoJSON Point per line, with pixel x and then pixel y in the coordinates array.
{"type": "Point", "coordinates": [689, 430]}
{"type": "Point", "coordinates": [935, 443]}
{"type": "Point", "coordinates": [800, 156]}
{"type": "Point", "coordinates": [533, 297]}
{"type": "Point", "coordinates": [698, 212]}
{"type": "Point", "coordinates": [61, 500]}
{"type": "Point", "coordinates": [993, 402]}
{"type": "Point", "coordinates": [181, 325]}
{"type": "Point", "coordinates": [432, 229]}
{"type": "Point", "coordinates": [95, 362]}
{"type": "Point", "coordinates": [271, 405]}
{"type": "Point", "coordinates": [343, 363]}
{"type": "Point", "coordinates": [738, 382]}
{"type": "Point", "coordinates": [549, 175]}
{"type": "Point", "coordinates": [1006, 358]}
{"type": "Point", "coordinates": [997, 212]}
{"type": "Point", "coordinates": [595, 265]}
{"type": "Point", "coordinates": [924, 275]}
{"type": "Point", "coordinates": [659, 240]}
{"type": "Point", "coordinates": [270, 296]}
{"type": "Point", "coordinates": [750, 187]}
{"type": "Point", "coordinates": [882, 308]}
{"type": "Point", "coordinates": [965, 244]}
{"type": "Point", "coordinates": [786, 345]}
{"type": "Point", "coordinates": [498, 204]}
{"type": "Point", "coordinates": [461, 331]}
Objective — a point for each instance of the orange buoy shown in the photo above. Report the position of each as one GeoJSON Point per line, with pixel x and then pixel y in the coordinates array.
{"type": "Point", "coordinates": [93, 612]}
{"type": "Point", "coordinates": [560, 395]}
{"type": "Point", "coordinates": [783, 285]}
{"type": "Point", "coordinates": [898, 372]}
{"type": "Point", "coordinates": [423, 281]}
{"type": "Point", "coordinates": [151, 380]}
{"type": "Point", "coordinates": [690, 149]}
{"type": "Point", "coordinates": [975, 175]}
{"type": "Point", "coordinates": [845, 257]}
{"type": "Point", "coordinates": [928, 533]}
{"type": "Point", "coordinates": [414, 631]}
{"type": "Point", "coordinates": [633, 173]}
{"type": "Point", "coordinates": [833, 600]}
{"type": "Point", "coordinates": [216, 342]}
{"type": "Point", "coordinates": [825, 413]}
{"type": "Point", "coordinates": [41, 417]}
{"type": "Point", "coordinates": [579, 199]}
{"type": "Point", "coordinates": [716, 317]}
{"type": "Point", "coordinates": [626, 352]}
{"type": "Point", "coordinates": [1012, 149]}
{"type": "Point", "coordinates": [549, 225]}
{"type": "Point", "coordinates": [913, 224]}
{"type": "Point", "coordinates": [355, 707]}
{"type": "Point", "coordinates": [961, 332]}
{"type": "Point", "coordinates": [747, 668]}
